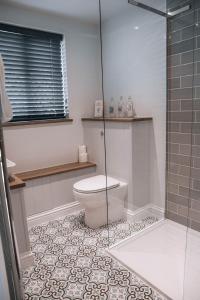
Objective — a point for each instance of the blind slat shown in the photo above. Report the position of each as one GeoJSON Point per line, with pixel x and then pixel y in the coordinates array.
{"type": "Point", "coordinates": [38, 102]}
{"type": "Point", "coordinates": [30, 98]}
{"type": "Point", "coordinates": [8, 39]}
{"type": "Point", "coordinates": [47, 111]}
{"type": "Point", "coordinates": [20, 59]}
{"type": "Point", "coordinates": [16, 81]}
{"type": "Point", "coordinates": [31, 73]}
{"type": "Point", "coordinates": [8, 55]}
{"type": "Point", "coordinates": [12, 77]}
{"type": "Point", "coordinates": [24, 47]}
{"type": "Point", "coordinates": [31, 63]}
{"type": "Point", "coordinates": [33, 69]}
{"type": "Point", "coordinates": [20, 110]}
{"type": "Point", "coordinates": [41, 107]}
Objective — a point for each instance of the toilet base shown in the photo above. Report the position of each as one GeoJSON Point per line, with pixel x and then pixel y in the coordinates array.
{"type": "Point", "coordinates": [101, 207]}
{"type": "Point", "coordinates": [97, 217]}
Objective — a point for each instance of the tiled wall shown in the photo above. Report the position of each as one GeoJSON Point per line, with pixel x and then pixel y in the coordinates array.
{"type": "Point", "coordinates": [183, 147]}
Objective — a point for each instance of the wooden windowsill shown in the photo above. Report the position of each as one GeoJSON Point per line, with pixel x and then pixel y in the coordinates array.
{"type": "Point", "coordinates": [16, 183]}
{"type": "Point", "coordinates": [125, 120]}
{"type": "Point", "coordinates": [35, 174]}
{"type": "Point", "coordinates": [37, 122]}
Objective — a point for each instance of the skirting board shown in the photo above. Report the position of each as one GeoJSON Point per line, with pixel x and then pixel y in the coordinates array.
{"type": "Point", "coordinates": [69, 208]}
{"type": "Point", "coordinates": [26, 260]}
{"type": "Point", "coordinates": [151, 208]}
{"type": "Point", "coordinates": [52, 214]}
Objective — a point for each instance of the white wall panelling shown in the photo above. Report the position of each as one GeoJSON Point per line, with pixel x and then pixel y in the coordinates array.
{"type": "Point", "coordinates": [129, 148]}
{"type": "Point", "coordinates": [21, 228]}
{"type": "Point", "coordinates": [20, 221]}
{"type": "Point", "coordinates": [4, 290]}
{"type": "Point", "coordinates": [51, 192]}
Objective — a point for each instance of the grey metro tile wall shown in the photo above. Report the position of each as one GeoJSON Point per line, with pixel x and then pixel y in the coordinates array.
{"type": "Point", "coordinates": [183, 118]}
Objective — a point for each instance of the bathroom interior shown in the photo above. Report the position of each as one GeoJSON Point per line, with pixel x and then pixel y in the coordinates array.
{"type": "Point", "coordinates": [101, 155]}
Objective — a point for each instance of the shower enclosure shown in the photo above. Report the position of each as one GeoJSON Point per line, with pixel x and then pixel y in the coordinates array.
{"type": "Point", "coordinates": [151, 53]}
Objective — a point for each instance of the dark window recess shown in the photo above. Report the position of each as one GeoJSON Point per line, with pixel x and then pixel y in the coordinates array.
{"type": "Point", "coordinates": [34, 73]}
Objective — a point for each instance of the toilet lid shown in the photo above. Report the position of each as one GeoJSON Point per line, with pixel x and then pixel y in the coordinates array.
{"type": "Point", "coordinates": [95, 184]}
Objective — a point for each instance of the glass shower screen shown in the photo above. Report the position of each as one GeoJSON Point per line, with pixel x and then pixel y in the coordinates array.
{"type": "Point", "coordinates": [134, 82]}
{"type": "Point", "coordinates": [150, 83]}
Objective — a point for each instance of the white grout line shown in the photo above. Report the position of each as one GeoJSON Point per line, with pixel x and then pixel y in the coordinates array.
{"type": "Point", "coordinates": [180, 65]}
{"type": "Point", "coordinates": [191, 38]}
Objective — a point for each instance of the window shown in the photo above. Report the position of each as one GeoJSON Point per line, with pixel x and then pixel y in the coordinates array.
{"type": "Point", "coordinates": [34, 73]}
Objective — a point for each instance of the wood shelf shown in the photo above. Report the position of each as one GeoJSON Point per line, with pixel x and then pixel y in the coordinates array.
{"type": "Point", "coordinates": [125, 120]}
{"type": "Point", "coordinates": [16, 183]}
{"type": "Point", "coordinates": [40, 173]}
{"type": "Point", "coordinates": [21, 178]}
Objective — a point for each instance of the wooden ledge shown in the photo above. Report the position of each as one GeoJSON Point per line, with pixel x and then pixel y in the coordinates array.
{"type": "Point", "coordinates": [125, 120]}
{"type": "Point", "coordinates": [37, 122]}
{"type": "Point", "coordinates": [35, 174]}
{"type": "Point", "coordinates": [16, 183]}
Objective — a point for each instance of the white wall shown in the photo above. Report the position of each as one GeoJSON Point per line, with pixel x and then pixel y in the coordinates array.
{"type": "Point", "coordinates": [134, 56]}
{"type": "Point", "coordinates": [39, 146]}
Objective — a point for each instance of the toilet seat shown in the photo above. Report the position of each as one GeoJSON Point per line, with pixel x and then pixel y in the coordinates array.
{"type": "Point", "coordinates": [95, 184]}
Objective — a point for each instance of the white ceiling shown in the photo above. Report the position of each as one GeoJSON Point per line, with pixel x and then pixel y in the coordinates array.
{"type": "Point", "coordinates": [85, 10]}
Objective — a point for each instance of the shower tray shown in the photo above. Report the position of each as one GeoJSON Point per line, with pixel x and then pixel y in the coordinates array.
{"type": "Point", "coordinates": [157, 254]}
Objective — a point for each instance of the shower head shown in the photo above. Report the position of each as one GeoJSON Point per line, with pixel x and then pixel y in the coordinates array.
{"type": "Point", "coordinates": [170, 13]}
{"type": "Point", "coordinates": [179, 9]}
{"type": "Point", "coordinates": [147, 7]}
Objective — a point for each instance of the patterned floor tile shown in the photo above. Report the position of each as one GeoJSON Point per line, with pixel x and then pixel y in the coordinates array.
{"type": "Point", "coordinates": [71, 262]}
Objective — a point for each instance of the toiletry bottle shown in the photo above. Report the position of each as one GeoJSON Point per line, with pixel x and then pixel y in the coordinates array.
{"type": "Point", "coordinates": [112, 108]}
{"type": "Point", "coordinates": [130, 108]}
{"type": "Point", "coordinates": [121, 107]}
{"type": "Point", "coordinates": [98, 109]}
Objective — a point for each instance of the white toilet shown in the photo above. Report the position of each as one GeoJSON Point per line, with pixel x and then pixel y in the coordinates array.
{"type": "Point", "coordinates": [91, 194]}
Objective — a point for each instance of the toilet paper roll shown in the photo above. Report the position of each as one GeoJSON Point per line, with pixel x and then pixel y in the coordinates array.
{"type": "Point", "coordinates": [83, 157]}
{"type": "Point", "coordinates": [82, 149]}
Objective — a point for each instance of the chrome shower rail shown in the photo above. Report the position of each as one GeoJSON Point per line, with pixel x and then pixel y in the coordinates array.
{"type": "Point", "coordinates": [170, 13]}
